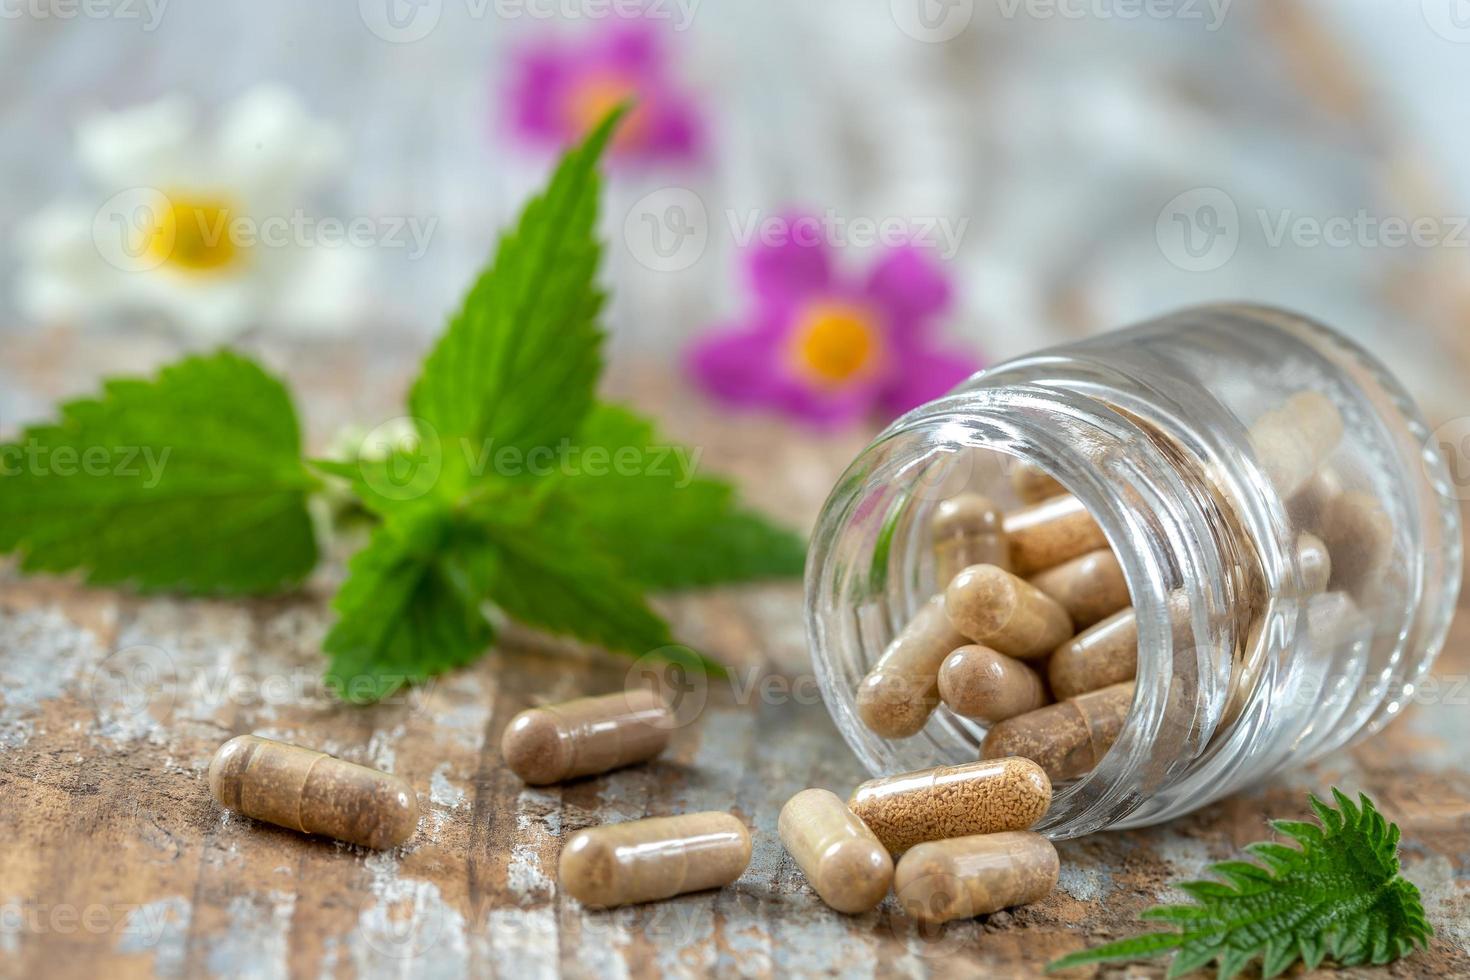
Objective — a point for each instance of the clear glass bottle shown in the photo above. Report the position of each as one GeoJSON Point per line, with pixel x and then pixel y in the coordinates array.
{"type": "Point", "coordinates": [1164, 432]}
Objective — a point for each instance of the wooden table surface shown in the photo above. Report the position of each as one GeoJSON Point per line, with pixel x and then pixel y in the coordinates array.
{"type": "Point", "coordinates": [115, 862]}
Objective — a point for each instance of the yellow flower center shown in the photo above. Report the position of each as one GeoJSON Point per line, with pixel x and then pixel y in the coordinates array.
{"type": "Point", "coordinates": [835, 343]}
{"type": "Point", "coordinates": [192, 234]}
{"type": "Point", "coordinates": [591, 101]}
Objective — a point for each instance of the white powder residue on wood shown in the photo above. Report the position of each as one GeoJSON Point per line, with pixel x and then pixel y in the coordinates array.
{"type": "Point", "coordinates": [405, 928]}
{"type": "Point", "coordinates": [258, 939]}
{"type": "Point", "coordinates": [161, 928]}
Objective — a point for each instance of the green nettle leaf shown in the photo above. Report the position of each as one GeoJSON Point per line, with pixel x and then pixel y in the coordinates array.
{"type": "Point", "coordinates": [667, 527]}
{"type": "Point", "coordinates": [1339, 894]}
{"type": "Point", "coordinates": [191, 482]}
{"type": "Point", "coordinates": [518, 366]}
{"type": "Point", "coordinates": [195, 482]}
{"type": "Point", "coordinates": [408, 610]}
{"type": "Point", "coordinates": [549, 579]}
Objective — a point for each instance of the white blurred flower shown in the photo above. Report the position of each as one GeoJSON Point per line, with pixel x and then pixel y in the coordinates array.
{"type": "Point", "coordinates": [204, 226]}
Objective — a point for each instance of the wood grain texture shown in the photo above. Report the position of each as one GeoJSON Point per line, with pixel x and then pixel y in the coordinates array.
{"type": "Point", "coordinates": [115, 862]}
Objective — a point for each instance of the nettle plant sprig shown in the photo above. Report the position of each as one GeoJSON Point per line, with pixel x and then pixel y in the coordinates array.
{"type": "Point", "coordinates": [1338, 894]}
{"type": "Point", "coordinates": [223, 507]}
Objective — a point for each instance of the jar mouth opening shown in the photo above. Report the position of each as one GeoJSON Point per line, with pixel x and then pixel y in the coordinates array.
{"type": "Point", "coordinates": [870, 568]}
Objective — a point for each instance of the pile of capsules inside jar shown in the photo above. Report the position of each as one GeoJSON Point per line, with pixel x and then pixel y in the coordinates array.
{"type": "Point", "coordinates": [1032, 636]}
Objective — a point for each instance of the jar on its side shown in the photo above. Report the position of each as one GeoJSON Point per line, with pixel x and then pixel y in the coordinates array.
{"type": "Point", "coordinates": [1205, 444]}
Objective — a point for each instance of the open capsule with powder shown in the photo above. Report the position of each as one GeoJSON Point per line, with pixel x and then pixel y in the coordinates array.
{"type": "Point", "coordinates": [1172, 497]}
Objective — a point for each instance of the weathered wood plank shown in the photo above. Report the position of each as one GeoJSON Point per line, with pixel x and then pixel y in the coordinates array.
{"type": "Point", "coordinates": [115, 861]}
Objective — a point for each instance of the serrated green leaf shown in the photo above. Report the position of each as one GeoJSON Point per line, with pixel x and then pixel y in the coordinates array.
{"type": "Point", "coordinates": [518, 365]}
{"type": "Point", "coordinates": [552, 580]}
{"type": "Point", "coordinates": [1136, 947]}
{"type": "Point", "coordinates": [668, 527]}
{"type": "Point", "coordinates": [408, 611]}
{"type": "Point", "coordinates": [191, 482]}
{"type": "Point", "coordinates": [1340, 892]}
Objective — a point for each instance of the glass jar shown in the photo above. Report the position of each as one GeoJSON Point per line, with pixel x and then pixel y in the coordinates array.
{"type": "Point", "coordinates": [1180, 437]}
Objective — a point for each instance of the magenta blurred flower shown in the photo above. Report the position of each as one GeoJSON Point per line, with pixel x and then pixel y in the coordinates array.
{"type": "Point", "coordinates": [561, 88]}
{"type": "Point", "coordinates": [828, 350]}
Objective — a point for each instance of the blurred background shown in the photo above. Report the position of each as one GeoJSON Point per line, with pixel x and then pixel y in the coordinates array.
{"type": "Point", "coordinates": [1067, 166]}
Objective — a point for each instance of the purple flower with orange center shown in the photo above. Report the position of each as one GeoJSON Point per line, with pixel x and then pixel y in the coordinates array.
{"type": "Point", "coordinates": [829, 349]}
{"type": "Point", "coordinates": [561, 88]}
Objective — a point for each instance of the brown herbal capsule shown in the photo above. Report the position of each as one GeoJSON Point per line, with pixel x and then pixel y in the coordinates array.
{"type": "Point", "coordinates": [653, 859]}
{"type": "Point", "coordinates": [586, 736]}
{"type": "Point", "coordinates": [967, 531]}
{"type": "Point", "coordinates": [900, 692]}
{"type": "Point", "coordinates": [1044, 535]}
{"type": "Point", "coordinates": [1308, 506]}
{"type": "Point", "coordinates": [1091, 588]}
{"type": "Point", "coordinates": [996, 609]}
{"type": "Point", "coordinates": [983, 797]}
{"type": "Point", "coordinates": [845, 864]}
{"type": "Point", "coordinates": [313, 792]}
{"type": "Point", "coordinates": [1359, 535]}
{"type": "Point", "coordinates": [1104, 655]}
{"type": "Point", "coordinates": [977, 682]}
{"type": "Point", "coordinates": [1107, 653]}
{"type": "Point", "coordinates": [1033, 484]}
{"type": "Point", "coordinates": [1294, 439]}
{"type": "Point", "coordinates": [969, 876]}
{"type": "Point", "coordinates": [1068, 738]}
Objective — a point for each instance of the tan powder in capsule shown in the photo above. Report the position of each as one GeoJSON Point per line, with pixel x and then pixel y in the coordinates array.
{"type": "Point", "coordinates": [1068, 738]}
{"type": "Point", "coordinates": [996, 609]}
{"type": "Point", "coordinates": [902, 689]}
{"type": "Point", "coordinates": [983, 797]}
{"type": "Point", "coordinates": [653, 859]}
{"type": "Point", "coordinates": [1044, 535]}
{"type": "Point", "coordinates": [586, 736]}
{"type": "Point", "coordinates": [968, 876]}
{"type": "Point", "coordinates": [967, 531]}
{"type": "Point", "coordinates": [978, 682]}
{"type": "Point", "coordinates": [1033, 485]}
{"type": "Point", "coordinates": [1091, 588]}
{"type": "Point", "coordinates": [1294, 439]}
{"type": "Point", "coordinates": [1359, 534]}
{"type": "Point", "coordinates": [845, 864]}
{"type": "Point", "coordinates": [315, 793]}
